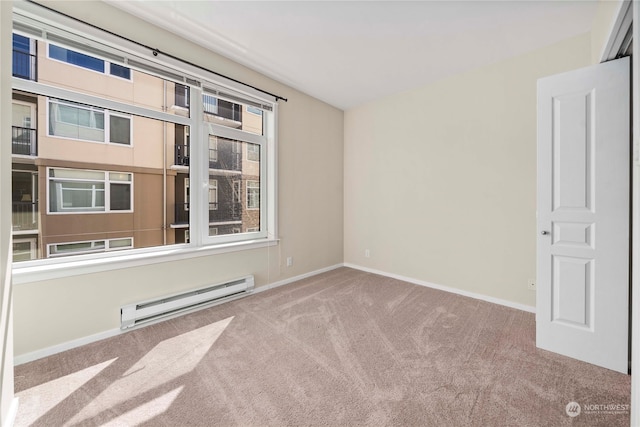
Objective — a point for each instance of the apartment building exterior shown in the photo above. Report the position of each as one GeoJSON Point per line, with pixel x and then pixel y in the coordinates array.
{"type": "Point", "coordinates": [88, 179]}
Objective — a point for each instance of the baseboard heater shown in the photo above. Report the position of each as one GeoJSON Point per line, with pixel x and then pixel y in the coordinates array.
{"type": "Point", "coordinates": [171, 305]}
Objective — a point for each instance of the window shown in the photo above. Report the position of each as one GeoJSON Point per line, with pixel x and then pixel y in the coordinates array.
{"type": "Point", "coordinates": [237, 191]}
{"type": "Point", "coordinates": [254, 110]}
{"type": "Point", "coordinates": [76, 121]}
{"type": "Point", "coordinates": [120, 71]}
{"type": "Point", "coordinates": [83, 191]}
{"type": "Point", "coordinates": [21, 43]}
{"type": "Point", "coordinates": [87, 61]}
{"type": "Point", "coordinates": [253, 152]}
{"type": "Point", "coordinates": [182, 95]}
{"type": "Point", "coordinates": [213, 194]}
{"type": "Point", "coordinates": [119, 129]}
{"type": "Point", "coordinates": [24, 62]}
{"type": "Point", "coordinates": [130, 131]}
{"type": "Point", "coordinates": [253, 195]}
{"type": "Point", "coordinates": [89, 246]}
{"type": "Point", "coordinates": [210, 104]}
{"type": "Point", "coordinates": [213, 149]}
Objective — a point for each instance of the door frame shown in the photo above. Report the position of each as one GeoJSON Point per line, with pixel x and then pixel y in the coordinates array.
{"type": "Point", "coordinates": [618, 40]}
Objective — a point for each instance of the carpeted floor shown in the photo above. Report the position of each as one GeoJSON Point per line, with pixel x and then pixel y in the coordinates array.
{"type": "Point", "coordinates": [343, 348]}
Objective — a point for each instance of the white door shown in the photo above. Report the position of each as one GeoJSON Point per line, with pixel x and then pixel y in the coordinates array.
{"type": "Point", "coordinates": [583, 214]}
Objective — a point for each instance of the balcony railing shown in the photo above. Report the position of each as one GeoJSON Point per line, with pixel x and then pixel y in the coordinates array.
{"type": "Point", "coordinates": [25, 65]}
{"type": "Point", "coordinates": [232, 213]}
{"type": "Point", "coordinates": [182, 213]}
{"type": "Point", "coordinates": [182, 155]}
{"type": "Point", "coordinates": [24, 216]}
{"type": "Point", "coordinates": [24, 141]}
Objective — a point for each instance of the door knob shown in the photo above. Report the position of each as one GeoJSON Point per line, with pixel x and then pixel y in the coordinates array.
{"type": "Point", "coordinates": [544, 232]}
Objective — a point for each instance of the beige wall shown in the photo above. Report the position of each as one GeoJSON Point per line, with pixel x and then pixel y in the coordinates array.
{"type": "Point", "coordinates": [6, 309]}
{"type": "Point", "coordinates": [440, 182]}
{"type": "Point", "coordinates": [310, 208]}
{"type": "Point", "coordinates": [606, 14]}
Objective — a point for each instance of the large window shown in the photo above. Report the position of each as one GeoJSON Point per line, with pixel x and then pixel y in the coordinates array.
{"type": "Point", "coordinates": [128, 166]}
{"type": "Point", "coordinates": [81, 191]}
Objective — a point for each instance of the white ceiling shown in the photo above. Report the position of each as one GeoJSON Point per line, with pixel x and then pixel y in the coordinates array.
{"type": "Point", "coordinates": [347, 53]}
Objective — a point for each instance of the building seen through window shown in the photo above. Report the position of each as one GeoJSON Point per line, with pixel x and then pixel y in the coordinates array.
{"type": "Point", "coordinates": [88, 179]}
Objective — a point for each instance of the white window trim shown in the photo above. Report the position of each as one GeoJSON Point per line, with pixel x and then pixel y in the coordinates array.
{"type": "Point", "coordinates": [107, 63]}
{"type": "Point", "coordinates": [107, 192]}
{"type": "Point", "coordinates": [52, 268]}
{"type": "Point", "coordinates": [107, 123]}
{"type": "Point", "coordinates": [53, 23]}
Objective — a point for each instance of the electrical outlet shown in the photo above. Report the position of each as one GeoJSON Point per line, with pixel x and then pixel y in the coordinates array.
{"type": "Point", "coordinates": [367, 254]}
{"type": "Point", "coordinates": [289, 261]}
{"type": "Point", "coordinates": [531, 284]}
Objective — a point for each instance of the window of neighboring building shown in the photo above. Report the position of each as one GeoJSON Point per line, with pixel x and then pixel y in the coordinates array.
{"type": "Point", "coordinates": [87, 61]}
{"type": "Point", "coordinates": [81, 191]}
{"type": "Point", "coordinates": [181, 93]}
{"type": "Point", "coordinates": [253, 152]}
{"type": "Point", "coordinates": [237, 191]}
{"type": "Point", "coordinates": [253, 229]}
{"type": "Point", "coordinates": [72, 120]}
{"type": "Point", "coordinates": [213, 149]}
{"type": "Point", "coordinates": [210, 104]}
{"type": "Point", "coordinates": [24, 62]}
{"type": "Point", "coordinates": [213, 194]}
{"type": "Point", "coordinates": [88, 246]}
{"type": "Point", "coordinates": [253, 195]}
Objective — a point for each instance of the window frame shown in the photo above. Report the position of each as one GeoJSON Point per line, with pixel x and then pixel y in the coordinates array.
{"type": "Point", "coordinates": [107, 192]}
{"type": "Point", "coordinates": [197, 79]}
{"type": "Point", "coordinates": [106, 122]}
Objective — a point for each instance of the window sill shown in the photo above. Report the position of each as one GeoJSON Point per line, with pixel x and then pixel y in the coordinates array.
{"type": "Point", "coordinates": [28, 274]}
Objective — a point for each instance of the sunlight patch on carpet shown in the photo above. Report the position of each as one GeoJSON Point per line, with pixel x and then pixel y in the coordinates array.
{"type": "Point", "coordinates": [147, 411]}
{"type": "Point", "coordinates": [39, 400]}
{"type": "Point", "coordinates": [168, 360]}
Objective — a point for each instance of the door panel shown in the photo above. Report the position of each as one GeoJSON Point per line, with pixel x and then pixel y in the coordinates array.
{"type": "Point", "coordinates": [583, 214]}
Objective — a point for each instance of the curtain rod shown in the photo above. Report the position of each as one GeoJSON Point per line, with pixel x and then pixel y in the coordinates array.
{"type": "Point", "coordinates": [157, 52]}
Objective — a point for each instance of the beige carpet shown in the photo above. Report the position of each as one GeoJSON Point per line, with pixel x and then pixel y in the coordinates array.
{"type": "Point", "coordinates": [342, 348]}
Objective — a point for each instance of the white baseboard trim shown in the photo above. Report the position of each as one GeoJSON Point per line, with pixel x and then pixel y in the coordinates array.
{"type": "Point", "coordinates": [474, 295]}
{"type": "Point", "coordinates": [12, 414]}
{"type": "Point", "coordinates": [58, 348]}
{"type": "Point", "coordinates": [295, 278]}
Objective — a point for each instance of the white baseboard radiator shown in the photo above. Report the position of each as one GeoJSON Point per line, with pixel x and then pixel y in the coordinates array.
{"type": "Point", "coordinates": [172, 305]}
